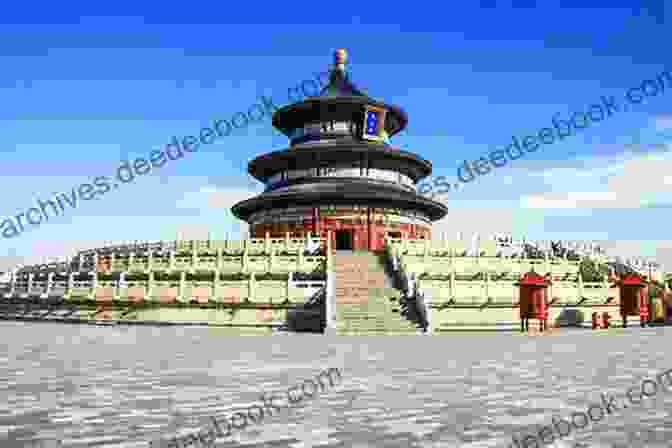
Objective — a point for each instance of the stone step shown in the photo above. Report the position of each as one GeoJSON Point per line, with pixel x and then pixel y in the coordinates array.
{"type": "Point", "coordinates": [374, 324]}
{"type": "Point", "coordinates": [374, 330]}
{"type": "Point", "coordinates": [361, 280]}
{"type": "Point", "coordinates": [360, 286]}
{"type": "Point", "coordinates": [372, 295]}
{"type": "Point", "coordinates": [373, 292]}
{"type": "Point", "coordinates": [367, 314]}
{"type": "Point", "coordinates": [356, 278]}
{"type": "Point", "coordinates": [363, 299]}
{"type": "Point", "coordinates": [357, 274]}
{"type": "Point", "coordinates": [384, 327]}
{"type": "Point", "coordinates": [352, 284]}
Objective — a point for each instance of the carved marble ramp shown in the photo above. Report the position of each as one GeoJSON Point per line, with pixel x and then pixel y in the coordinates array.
{"type": "Point", "coordinates": [365, 305]}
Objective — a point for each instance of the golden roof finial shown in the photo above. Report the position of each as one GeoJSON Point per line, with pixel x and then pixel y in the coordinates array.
{"type": "Point", "coordinates": [340, 58]}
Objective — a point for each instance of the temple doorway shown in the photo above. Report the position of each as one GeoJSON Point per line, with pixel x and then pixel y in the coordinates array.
{"type": "Point", "coordinates": [344, 240]}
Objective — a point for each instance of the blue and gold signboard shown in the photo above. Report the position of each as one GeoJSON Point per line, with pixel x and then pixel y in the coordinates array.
{"type": "Point", "coordinates": [374, 124]}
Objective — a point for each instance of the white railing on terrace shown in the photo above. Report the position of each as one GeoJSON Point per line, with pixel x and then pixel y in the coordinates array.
{"type": "Point", "coordinates": [411, 291]}
{"type": "Point", "coordinates": [267, 246]}
{"type": "Point", "coordinates": [88, 288]}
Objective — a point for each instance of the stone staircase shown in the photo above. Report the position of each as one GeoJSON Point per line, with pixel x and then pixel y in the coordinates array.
{"type": "Point", "coordinates": [366, 302]}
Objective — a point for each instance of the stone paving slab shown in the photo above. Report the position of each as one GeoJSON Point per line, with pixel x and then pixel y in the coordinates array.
{"type": "Point", "coordinates": [124, 386]}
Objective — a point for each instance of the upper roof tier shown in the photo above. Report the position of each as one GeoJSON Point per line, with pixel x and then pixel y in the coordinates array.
{"type": "Point", "coordinates": [340, 100]}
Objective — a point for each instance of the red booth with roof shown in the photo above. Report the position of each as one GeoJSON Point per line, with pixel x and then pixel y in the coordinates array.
{"type": "Point", "coordinates": [634, 293]}
{"type": "Point", "coordinates": [533, 293]}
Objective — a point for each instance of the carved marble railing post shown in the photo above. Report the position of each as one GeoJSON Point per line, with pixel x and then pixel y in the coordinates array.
{"type": "Point", "coordinates": [150, 260]}
{"type": "Point", "coordinates": [213, 287]}
{"type": "Point", "coordinates": [426, 303]}
{"type": "Point", "coordinates": [183, 284]}
{"type": "Point", "coordinates": [12, 284]}
{"type": "Point", "coordinates": [245, 260]}
{"type": "Point", "coordinates": [50, 282]}
{"type": "Point", "coordinates": [94, 283]}
{"type": "Point", "coordinates": [330, 304]}
{"type": "Point", "coordinates": [121, 284]}
{"type": "Point", "coordinates": [580, 285]}
{"type": "Point", "coordinates": [453, 286]}
{"type": "Point", "coordinates": [30, 283]}
{"type": "Point", "coordinates": [150, 285]}
{"type": "Point", "coordinates": [131, 259]}
{"type": "Point", "coordinates": [218, 266]}
{"type": "Point", "coordinates": [288, 285]}
{"type": "Point", "coordinates": [251, 286]}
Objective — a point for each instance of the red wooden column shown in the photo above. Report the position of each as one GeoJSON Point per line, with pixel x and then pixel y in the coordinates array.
{"type": "Point", "coordinates": [369, 243]}
{"type": "Point", "coordinates": [316, 220]}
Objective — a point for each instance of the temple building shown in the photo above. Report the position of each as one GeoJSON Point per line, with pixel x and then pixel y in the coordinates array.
{"type": "Point", "coordinates": [341, 186]}
{"type": "Point", "coordinates": [340, 173]}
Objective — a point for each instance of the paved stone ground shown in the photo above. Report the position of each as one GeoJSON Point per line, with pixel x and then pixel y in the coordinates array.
{"type": "Point", "coordinates": [124, 386]}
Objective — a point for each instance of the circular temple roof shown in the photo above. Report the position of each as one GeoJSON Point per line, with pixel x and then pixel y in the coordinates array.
{"type": "Point", "coordinates": [309, 155]}
{"type": "Point", "coordinates": [340, 191]}
{"type": "Point", "coordinates": [340, 101]}
{"type": "Point", "coordinates": [339, 108]}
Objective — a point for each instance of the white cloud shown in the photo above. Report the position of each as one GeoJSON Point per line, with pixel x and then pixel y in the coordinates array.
{"type": "Point", "coordinates": [547, 201]}
{"type": "Point", "coordinates": [664, 122]}
{"type": "Point", "coordinates": [195, 199]}
{"type": "Point", "coordinates": [210, 198]}
{"type": "Point", "coordinates": [214, 219]}
{"type": "Point", "coordinates": [629, 184]}
{"type": "Point", "coordinates": [578, 199]}
{"type": "Point", "coordinates": [469, 221]}
{"type": "Point", "coordinates": [227, 198]}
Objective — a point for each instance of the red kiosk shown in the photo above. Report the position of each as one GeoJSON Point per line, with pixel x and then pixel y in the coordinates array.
{"type": "Point", "coordinates": [634, 292]}
{"type": "Point", "coordinates": [533, 293]}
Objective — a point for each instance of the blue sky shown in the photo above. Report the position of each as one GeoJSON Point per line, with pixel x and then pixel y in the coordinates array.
{"type": "Point", "coordinates": [84, 87]}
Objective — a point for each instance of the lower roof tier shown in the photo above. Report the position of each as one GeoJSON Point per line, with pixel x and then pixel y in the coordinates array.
{"type": "Point", "coordinates": [341, 191]}
{"type": "Point", "coordinates": [325, 153]}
